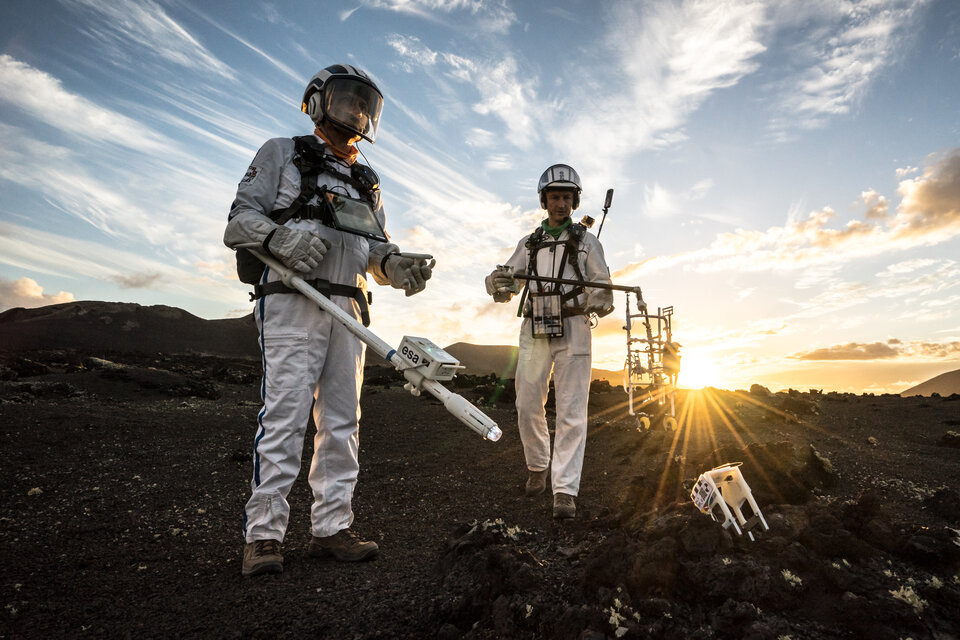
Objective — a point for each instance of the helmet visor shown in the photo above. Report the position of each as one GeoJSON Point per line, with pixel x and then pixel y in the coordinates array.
{"type": "Point", "coordinates": [353, 105]}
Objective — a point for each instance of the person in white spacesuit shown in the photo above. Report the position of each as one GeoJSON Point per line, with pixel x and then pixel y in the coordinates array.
{"type": "Point", "coordinates": [555, 335]}
{"type": "Point", "coordinates": [290, 204]}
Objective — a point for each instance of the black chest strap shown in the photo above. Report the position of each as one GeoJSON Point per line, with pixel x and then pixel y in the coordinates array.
{"type": "Point", "coordinates": [571, 248]}
{"type": "Point", "coordinates": [310, 158]}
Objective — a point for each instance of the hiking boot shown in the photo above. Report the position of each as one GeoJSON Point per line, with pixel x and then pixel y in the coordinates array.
{"type": "Point", "coordinates": [345, 545]}
{"type": "Point", "coordinates": [564, 506]}
{"type": "Point", "coordinates": [262, 556]}
{"type": "Point", "coordinates": [536, 483]}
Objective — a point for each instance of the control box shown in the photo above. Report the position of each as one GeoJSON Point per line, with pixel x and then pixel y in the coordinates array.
{"type": "Point", "coordinates": [432, 361]}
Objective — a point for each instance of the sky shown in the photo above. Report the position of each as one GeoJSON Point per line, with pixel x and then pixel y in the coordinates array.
{"type": "Point", "coordinates": [786, 174]}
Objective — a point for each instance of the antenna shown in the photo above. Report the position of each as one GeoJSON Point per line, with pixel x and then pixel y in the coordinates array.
{"type": "Point", "coordinates": [606, 205]}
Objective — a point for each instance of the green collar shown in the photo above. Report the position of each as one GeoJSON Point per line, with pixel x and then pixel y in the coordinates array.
{"type": "Point", "coordinates": [556, 231]}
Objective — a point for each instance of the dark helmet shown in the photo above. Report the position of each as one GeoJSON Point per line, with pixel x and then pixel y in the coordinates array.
{"type": "Point", "coordinates": [559, 176]}
{"type": "Point", "coordinates": [347, 97]}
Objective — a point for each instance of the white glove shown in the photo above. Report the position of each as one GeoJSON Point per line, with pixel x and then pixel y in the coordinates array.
{"type": "Point", "coordinates": [600, 311]}
{"type": "Point", "coordinates": [299, 250]}
{"type": "Point", "coordinates": [502, 285]}
{"type": "Point", "coordinates": [409, 274]}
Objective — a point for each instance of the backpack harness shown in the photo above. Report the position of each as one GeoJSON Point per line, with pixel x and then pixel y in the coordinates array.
{"type": "Point", "coordinates": [571, 247]}
{"type": "Point", "coordinates": [310, 159]}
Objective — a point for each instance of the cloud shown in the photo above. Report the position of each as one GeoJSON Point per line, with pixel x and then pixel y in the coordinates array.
{"type": "Point", "coordinates": [906, 171]}
{"type": "Point", "coordinates": [481, 138]}
{"type": "Point", "coordinates": [491, 16]}
{"type": "Point", "coordinates": [50, 253]}
{"type": "Point", "coordinates": [272, 15]}
{"type": "Point", "coordinates": [847, 46]}
{"type": "Point", "coordinates": [892, 348]}
{"type": "Point", "coordinates": [931, 203]}
{"type": "Point", "coordinates": [877, 205]}
{"type": "Point", "coordinates": [133, 31]}
{"type": "Point", "coordinates": [928, 214]}
{"type": "Point", "coordinates": [564, 14]}
{"type": "Point", "coordinates": [499, 162]}
{"type": "Point", "coordinates": [137, 280]}
{"type": "Point", "coordinates": [498, 81]}
{"type": "Point", "coordinates": [70, 187]}
{"type": "Point", "coordinates": [660, 202]}
{"type": "Point", "coordinates": [43, 97]}
{"type": "Point", "coordinates": [907, 266]}
{"type": "Point", "coordinates": [179, 210]}
{"type": "Point", "coordinates": [667, 59]}
{"type": "Point", "coordinates": [412, 52]}
{"type": "Point", "coordinates": [851, 351]}
{"type": "Point", "coordinates": [284, 69]}
{"type": "Point", "coordinates": [25, 292]}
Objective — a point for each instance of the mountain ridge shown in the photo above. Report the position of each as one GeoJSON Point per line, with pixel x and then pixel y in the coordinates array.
{"type": "Point", "coordinates": [127, 327]}
{"type": "Point", "coordinates": [944, 384]}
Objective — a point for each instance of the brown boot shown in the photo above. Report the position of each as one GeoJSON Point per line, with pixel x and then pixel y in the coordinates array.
{"type": "Point", "coordinates": [262, 556]}
{"type": "Point", "coordinates": [536, 483]}
{"type": "Point", "coordinates": [564, 506]}
{"type": "Point", "coordinates": [345, 545]}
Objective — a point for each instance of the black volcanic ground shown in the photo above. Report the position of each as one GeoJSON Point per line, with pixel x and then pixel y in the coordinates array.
{"type": "Point", "coordinates": [127, 433]}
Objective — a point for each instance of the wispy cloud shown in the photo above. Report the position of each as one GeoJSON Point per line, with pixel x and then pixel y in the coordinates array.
{"type": "Point", "coordinates": [503, 91]}
{"type": "Point", "coordinates": [847, 46]}
{"type": "Point", "coordinates": [893, 348]}
{"type": "Point", "coordinates": [111, 203]}
{"type": "Point", "coordinates": [149, 280]}
{"type": "Point", "coordinates": [490, 16]}
{"type": "Point", "coordinates": [928, 214]}
{"type": "Point", "coordinates": [137, 30]}
{"type": "Point", "coordinates": [25, 292]}
{"type": "Point", "coordinates": [413, 53]}
{"type": "Point", "coordinates": [54, 254]}
{"type": "Point", "coordinates": [43, 97]}
{"type": "Point", "coordinates": [659, 202]}
{"type": "Point", "coordinates": [280, 66]}
{"type": "Point", "coordinates": [668, 58]}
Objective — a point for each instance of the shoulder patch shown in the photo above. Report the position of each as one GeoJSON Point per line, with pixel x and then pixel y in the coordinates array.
{"type": "Point", "coordinates": [250, 175]}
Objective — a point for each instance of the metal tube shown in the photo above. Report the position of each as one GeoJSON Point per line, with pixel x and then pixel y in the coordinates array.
{"type": "Point", "coordinates": [582, 283]}
{"type": "Point", "coordinates": [454, 403]}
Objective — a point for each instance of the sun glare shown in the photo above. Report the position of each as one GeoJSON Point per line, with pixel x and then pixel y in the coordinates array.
{"type": "Point", "coordinates": [697, 372]}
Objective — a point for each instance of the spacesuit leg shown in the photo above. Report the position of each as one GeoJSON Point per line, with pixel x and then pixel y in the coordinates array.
{"type": "Point", "coordinates": [290, 371]}
{"type": "Point", "coordinates": [532, 384]}
{"type": "Point", "coordinates": [335, 465]}
{"type": "Point", "coordinates": [571, 372]}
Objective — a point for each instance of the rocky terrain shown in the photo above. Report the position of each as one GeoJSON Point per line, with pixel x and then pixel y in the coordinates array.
{"type": "Point", "coordinates": [126, 470]}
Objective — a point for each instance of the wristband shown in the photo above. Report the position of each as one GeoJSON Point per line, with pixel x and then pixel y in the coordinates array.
{"type": "Point", "coordinates": [266, 243]}
{"type": "Point", "coordinates": [383, 262]}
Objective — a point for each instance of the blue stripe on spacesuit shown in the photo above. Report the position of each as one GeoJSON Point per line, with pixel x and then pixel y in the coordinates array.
{"type": "Point", "coordinates": [263, 386]}
{"type": "Point", "coordinates": [263, 395]}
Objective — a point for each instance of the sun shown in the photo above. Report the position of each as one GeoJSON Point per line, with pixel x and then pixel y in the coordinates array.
{"type": "Point", "coordinates": [697, 372]}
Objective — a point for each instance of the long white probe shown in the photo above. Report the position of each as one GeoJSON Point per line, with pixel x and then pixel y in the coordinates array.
{"type": "Point", "coordinates": [452, 402]}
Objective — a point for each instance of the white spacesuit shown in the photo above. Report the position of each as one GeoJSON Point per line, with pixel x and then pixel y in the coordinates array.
{"type": "Point", "coordinates": [558, 249]}
{"type": "Point", "coordinates": [309, 359]}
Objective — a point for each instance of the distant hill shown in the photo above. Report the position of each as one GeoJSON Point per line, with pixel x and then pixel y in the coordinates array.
{"type": "Point", "coordinates": [945, 384]}
{"type": "Point", "coordinates": [121, 327]}
{"type": "Point", "coordinates": [482, 359]}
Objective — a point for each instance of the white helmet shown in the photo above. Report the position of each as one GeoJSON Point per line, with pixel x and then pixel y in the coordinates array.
{"type": "Point", "coordinates": [347, 97]}
{"type": "Point", "coordinates": [559, 176]}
